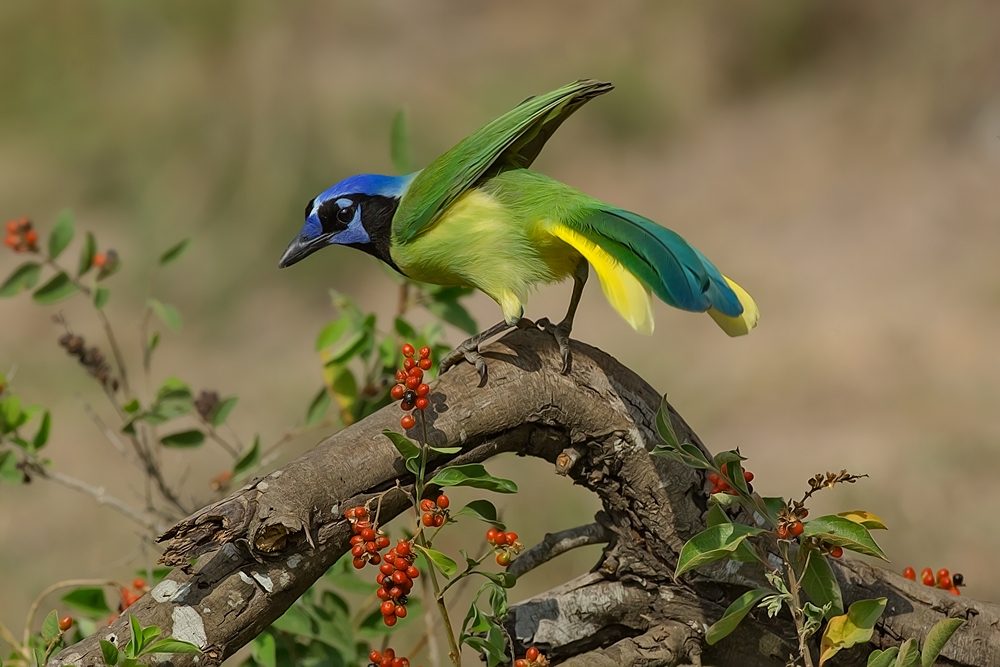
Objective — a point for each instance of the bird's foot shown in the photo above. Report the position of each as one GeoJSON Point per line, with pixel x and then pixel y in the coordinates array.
{"type": "Point", "coordinates": [468, 350]}
{"type": "Point", "coordinates": [561, 333]}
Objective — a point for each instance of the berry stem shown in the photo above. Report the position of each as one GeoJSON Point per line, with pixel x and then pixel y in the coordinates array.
{"type": "Point", "coordinates": [796, 606]}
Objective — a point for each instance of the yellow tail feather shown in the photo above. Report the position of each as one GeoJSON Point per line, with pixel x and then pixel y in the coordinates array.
{"type": "Point", "coordinates": [742, 324]}
{"type": "Point", "coordinates": [626, 293]}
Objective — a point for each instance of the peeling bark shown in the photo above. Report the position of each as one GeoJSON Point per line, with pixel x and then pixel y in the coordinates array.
{"type": "Point", "coordinates": [264, 545]}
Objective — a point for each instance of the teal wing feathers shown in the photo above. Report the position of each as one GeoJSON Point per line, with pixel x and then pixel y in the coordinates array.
{"type": "Point", "coordinates": [513, 140]}
{"type": "Point", "coordinates": [674, 270]}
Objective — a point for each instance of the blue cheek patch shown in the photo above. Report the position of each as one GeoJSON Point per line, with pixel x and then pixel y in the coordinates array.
{"type": "Point", "coordinates": [355, 232]}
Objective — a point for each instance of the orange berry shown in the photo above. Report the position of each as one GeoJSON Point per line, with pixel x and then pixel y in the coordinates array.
{"type": "Point", "coordinates": [425, 364]}
{"type": "Point", "coordinates": [500, 539]}
{"type": "Point", "coordinates": [713, 478]}
{"type": "Point", "coordinates": [65, 623]}
{"type": "Point", "coordinates": [796, 529]}
{"type": "Point", "coordinates": [422, 390]}
{"type": "Point", "coordinates": [389, 620]}
{"type": "Point", "coordinates": [491, 535]}
{"type": "Point", "coordinates": [531, 653]}
{"type": "Point", "coordinates": [407, 422]}
{"type": "Point", "coordinates": [945, 583]}
{"type": "Point", "coordinates": [909, 573]}
{"type": "Point", "coordinates": [397, 392]}
{"type": "Point", "coordinates": [10, 242]}
{"type": "Point", "coordinates": [415, 372]}
{"type": "Point", "coordinates": [427, 519]}
{"type": "Point", "coordinates": [928, 578]}
{"type": "Point", "coordinates": [953, 591]}
{"type": "Point", "coordinates": [407, 350]}
{"type": "Point", "coordinates": [425, 352]}
{"type": "Point", "coordinates": [401, 611]}
{"type": "Point", "coordinates": [503, 559]}
{"type": "Point", "coordinates": [520, 662]}
{"type": "Point", "coordinates": [783, 532]}
{"type": "Point", "coordinates": [443, 501]}
{"type": "Point", "coordinates": [388, 608]}
{"type": "Point", "coordinates": [412, 382]}
{"type": "Point", "coordinates": [31, 237]}
{"type": "Point", "coordinates": [837, 552]}
{"type": "Point", "coordinates": [511, 538]}
{"type": "Point", "coordinates": [747, 476]}
{"type": "Point", "coordinates": [438, 520]}
{"type": "Point", "coordinates": [421, 404]}
{"type": "Point", "coordinates": [99, 259]}
{"type": "Point", "coordinates": [139, 584]}
{"type": "Point", "coordinates": [426, 505]}
{"type": "Point", "coordinates": [12, 226]}
{"type": "Point", "coordinates": [942, 574]}
{"type": "Point", "coordinates": [408, 364]}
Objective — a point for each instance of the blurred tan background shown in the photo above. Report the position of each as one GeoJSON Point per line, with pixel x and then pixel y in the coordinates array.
{"type": "Point", "coordinates": [839, 159]}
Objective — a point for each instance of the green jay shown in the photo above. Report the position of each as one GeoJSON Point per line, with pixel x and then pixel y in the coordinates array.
{"type": "Point", "coordinates": [478, 216]}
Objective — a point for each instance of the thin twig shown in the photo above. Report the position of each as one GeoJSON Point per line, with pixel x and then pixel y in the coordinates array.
{"type": "Point", "coordinates": [67, 583]}
{"type": "Point", "coordinates": [15, 645]}
{"type": "Point", "coordinates": [555, 544]}
{"type": "Point", "coordinates": [110, 434]}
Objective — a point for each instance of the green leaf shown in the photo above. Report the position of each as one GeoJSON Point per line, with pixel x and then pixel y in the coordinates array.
{"type": "Point", "coordinates": [399, 143]}
{"type": "Point", "coordinates": [406, 448]}
{"type": "Point", "coordinates": [171, 645]}
{"type": "Point", "coordinates": [937, 638]}
{"type": "Point", "coordinates": [23, 279]}
{"type": "Point", "coordinates": [87, 253]}
{"type": "Point", "coordinates": [183, 439]}
{"type": "Point", "coordinates": [663, 425]}
{"type": "Point", "coordinates": [445, 450]}
{"type": "Point", "coordinates": [819, 582]}
{"type": "Point", "coordinates": [332, 333]}
{"type": "Point", "coordinates": [443, 563]}
{"type": "Point", "coordinates": [318, 407]}
{"type": "Point", "coordinates": [148, 636]}
{"type": "Point", "coordinates": [454, 314]}
{"type": "Point", "coordinates": [483, 510]}
{"type": "Point", "coordinates": [263, 650]}
{"type": "Point", "coordinates": [346, 349]}
{"type": "Point", "coordinates": [845, 533]}
{"type": "Point", "coordinates": [716, 516]}
{"type": "Point", "coordinates": [248, 460]}
{"type": "Point", "coordinates": [222, 409]}
{"type": "Point", "coordinates": [735, 613]}
{"type": "Point", "coordinates": [50, 626]}
{"type": "Point", "coordinates": [61, 235]}
{"type": "Point", "coordinates": [110, 653]}
{"type": "Point", "coordinates": [101, 296]}
{"type": "Point", "coordinates": [57, 289]}
{"type": "Point", "coordinates": [774, 505]}
{"type": "Point", "coordinates": [886, 658]}
{"type": "Point", "coordinates": [854, 627]}
{"type": "Point", "coordinates": [42, 436]}
{"type": "Point", "coordinates": [174, 252]}
{"type": "Point", "coordinates": [474, 475]}
{"type": "Point", "coordinates": [866, 519]}
{"type": "Point", "coordinates": [134, 648]}
{"type": "Point", "coordinates": [167, 313]}
{"type": "Point", "coordinates": [688, 454]}
{"type": "Point", "coordinates": [89, 601]}
{"type": "Point", "coordinates": [728, 456]}
{"type": "Point", "coordinates": [909, 654]}
{"type": "Point", "coordinates": [713, 543]}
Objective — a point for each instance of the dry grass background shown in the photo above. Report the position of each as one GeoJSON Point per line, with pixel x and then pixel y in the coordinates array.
{"type": "Point", "coordinates": [839, 159]}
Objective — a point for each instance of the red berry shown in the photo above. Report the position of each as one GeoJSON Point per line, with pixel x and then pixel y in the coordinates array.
{"type": "Point", "coordinates": [10, 242]}
{"type": "Point", "coordinates": [531, 653]}
{"type": "Point", "coordinates": [408, 364]}
{"type": "Point", "coordinates": [380, 579]}
{"type": "Point", "coordinates": [397, 392]}
{"type": "Point", "coordinates": [520, 662]}
{"type": "Point", "coordinates": [138, 584]}
{"type": "Point", "coordinates": [356, 539]}
{"type": "Point", "coordinates": [31, 237]}
{"type": "Point", "coordinates": [928, 578]}
{"type": "Point", "coordinates": [425, 364]}
{"type": "Point", "coordinates": [503, 558]}
{"type": "Point", "coordinates": [390, 653]}
{"type": "Point", "coordinates": [837, 552]}
{"type": "Point", "coordinates": [382, 593]}
{"type": "Point", "coordinates": [99, 259]}
{"type": "Point", "coordinates": [381, 542]}
{"type": "Point", "coordinates": [416, 372]}
{"type": "Point", "coordinates": [425, 352]}
{"type": "Point", "coordinates": [401, 376]}
{"type": "Point", "coordinates": [401, 611]}
{"type": "Point", "coordinates": [511, 538]}
{"type": "Point", "coordinates": [368, 535]}
{"type": "Point", "coordinates": [407, 350]}
{"type": "Point", "coordinates": [359, 563]}
{"type": "Point", "coordinates": [422, 390]}
{"type": "Point", "coordinates": [405, 662]}
{"type": "Point", "coordinates": [375, 656]}
{"type": "Point", "coordinates": [403, 548]}
{"type": "Point", "coordinates": [412, 382]}
{"type": "Point", "coordinates": [803, 513]}
{"type": "Point", "coordinates": [406, 407]}
{"type": "Point", "coordinates": [783, 532]}
{"type": "Point", "coordinates": [388, 607]}
{"type": "Point", "coordinates": [909, 573]}
{"type": "Point", "coordinates": [942, 573]}
{"type": "Point", "coordinates": [443, 501]}
{"type": "Point", "coordinates": [386, 661]}
{"type": "Point", "coordinates": [491, 535]}
{"type": "Point", "coordinates": [945, 583]}
{"type": "Point", "coordinates": [401, 564]}
{"type": "Point", "coordinates": [953, 591]}
{"type": "Point", "coordinates": [796, 529]}
{"type": "Point", "coordinates": [66, 622]}
{"type": "Point", "coordinates": [426, 505]}
{"type": "Point", "coordinates": [427, 519]}
{"type": "Point", "coordinates": [407, 422]}
{"type": "Point", "coordinates": [713, 478]}
{"type": "Point", "coordinates": [500, 539]}
{"type": "Point", "coordinates": [376, 559]}
{"type": "Point", "coordinates": [360, 512]}
{"type": "Point", "coordinates": [386, 568]}
{"type": "Point", "coordinates": [12, 226]}
{"type": "Point", "coordinates": [389, 620]}
{"type": "Point", "coordinates": [747, 476]}
{"type": "Point", "coordinates": [421, 403]}
{"type": "Point", "coordinates": [438, 520]}
{"type": "Point", "coordinates": [399, 577]}
{"type": "Point", "coordinates": [395, 592]}
{"type": "Point", "coordinates": [412, 572]}
{"type": "Point", "coordinates": [358, 550]}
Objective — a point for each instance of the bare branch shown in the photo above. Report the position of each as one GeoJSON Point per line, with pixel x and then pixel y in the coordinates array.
{"type": "Point", "coordinates": [555, 544]}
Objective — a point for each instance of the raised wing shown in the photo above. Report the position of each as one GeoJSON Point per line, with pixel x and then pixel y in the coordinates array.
{"type": "Point", "coordinates": [514, 139]}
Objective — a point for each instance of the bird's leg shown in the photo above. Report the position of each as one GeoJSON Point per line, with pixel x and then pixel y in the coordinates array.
{"type": "Point", "coordinates": [468, 350]}
{"type": "Point", "coordinates": [562, 330]}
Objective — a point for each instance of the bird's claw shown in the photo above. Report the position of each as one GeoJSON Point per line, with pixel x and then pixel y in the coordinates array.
{"type": "Point", "coordinates": [561, 333]}
{"type": "Point", "coordinates": [466, 351]}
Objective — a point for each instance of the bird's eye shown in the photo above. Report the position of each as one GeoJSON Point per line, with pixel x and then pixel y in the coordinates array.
{"type": "Point", "coordinates": [346, 214]}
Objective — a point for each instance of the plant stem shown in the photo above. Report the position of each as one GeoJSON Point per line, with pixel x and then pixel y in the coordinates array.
{"type": "Point", "coordinates": [793, 590]}
{"type": "Point", "coordinates": [68, 583]}
{"type": "Point", "coordinates": [15, 645]}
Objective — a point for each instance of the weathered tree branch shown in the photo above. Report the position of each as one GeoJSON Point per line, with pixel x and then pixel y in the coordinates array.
{"type": "Point", "coordinates": [555, 544]}
{"type": "Point", "coordinates": [272, 539]}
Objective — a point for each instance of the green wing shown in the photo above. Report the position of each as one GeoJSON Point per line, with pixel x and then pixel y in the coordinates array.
{"type": "Point", "coordinates": [514, 139]}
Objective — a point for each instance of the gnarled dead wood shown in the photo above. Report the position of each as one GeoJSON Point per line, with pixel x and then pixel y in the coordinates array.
{"type": "Point", "coordinates": [265, 544]}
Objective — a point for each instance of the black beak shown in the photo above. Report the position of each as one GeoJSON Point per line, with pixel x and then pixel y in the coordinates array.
{"type": "Point", "coordinates": [300, 248]}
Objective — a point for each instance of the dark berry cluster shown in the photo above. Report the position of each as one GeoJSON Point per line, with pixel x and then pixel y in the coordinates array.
{"type": "Point", "coordinates": [367, 541]}
{"type": "Point", "coordinates": [91, 358]}
{"type": "Point", "coordinates": [20, 236]}
{"type": "Point", "coordinates": [720, 485]}
{"type": "Point", "coordinates": [435, 512]}
{"type": "Point", "coordinates": [395, 578]}
{"type": "Point", "coordinates": [532, 658]}
{"type": "Point", "coordinates": [946, 580]}
{"type": "Point", "coordinates": [387, 658]}
{"type": "Point", "coordinates": [504, 544]}
{"type": "Point", "coordinates": [410, 388]}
